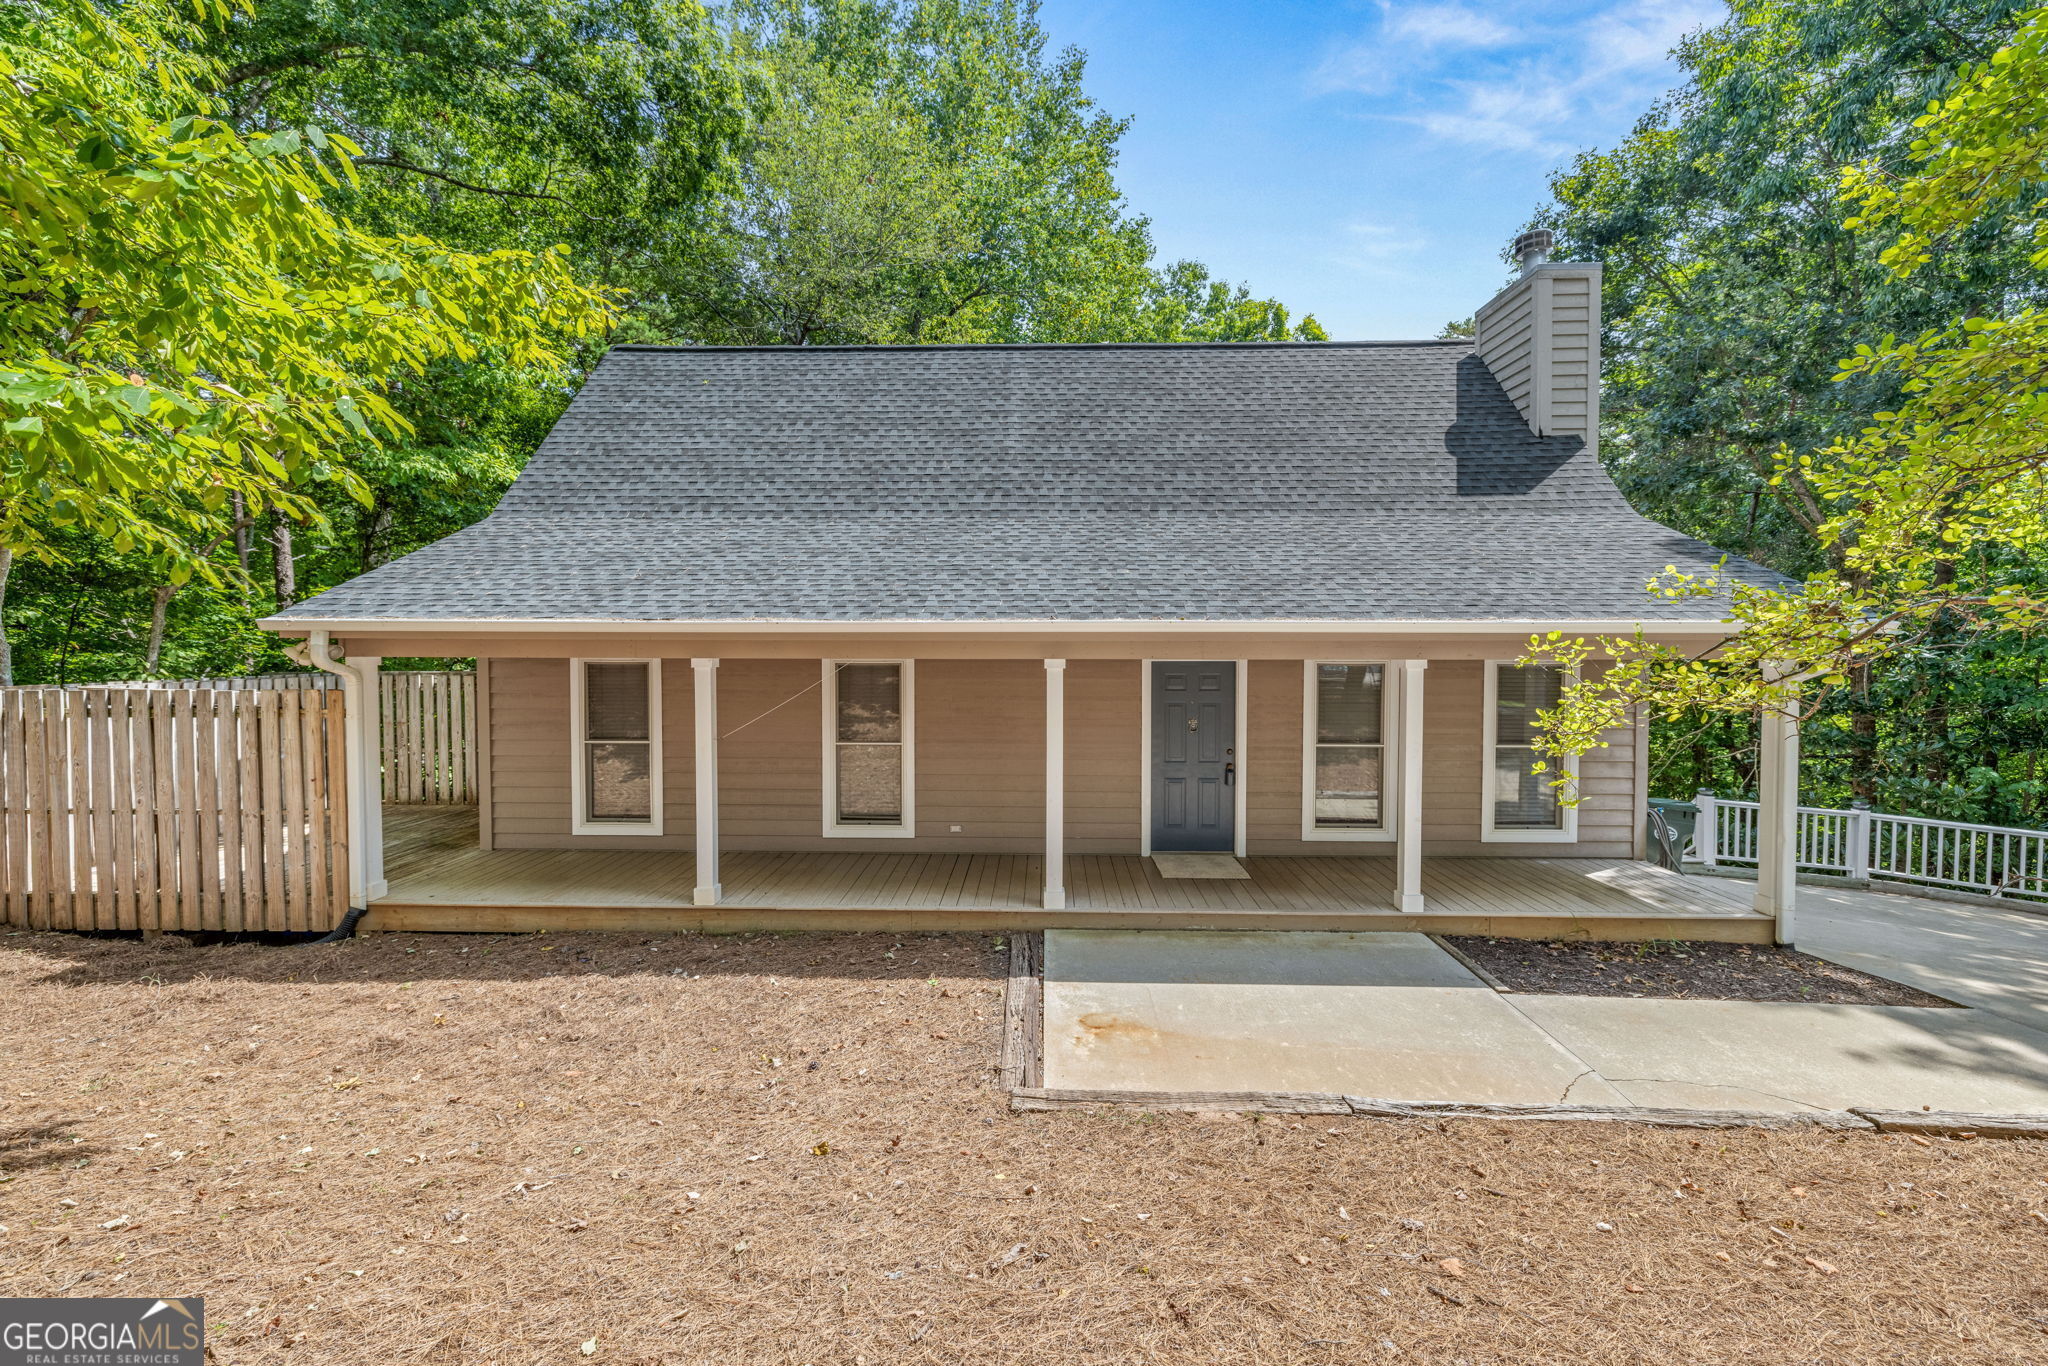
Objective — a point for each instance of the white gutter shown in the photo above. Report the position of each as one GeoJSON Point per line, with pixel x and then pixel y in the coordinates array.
{"type": "Point", "coordinates": [1144, 626]}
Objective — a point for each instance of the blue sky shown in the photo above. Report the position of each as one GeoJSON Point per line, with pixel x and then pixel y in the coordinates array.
{"type": "Point", "coordinates": [1365, 160]}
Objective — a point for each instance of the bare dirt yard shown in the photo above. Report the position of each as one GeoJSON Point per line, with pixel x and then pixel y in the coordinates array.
{"type": "Point", "coordinates": [768, 1150]}
{"type": "Point", "coordinates": [1682, 970]}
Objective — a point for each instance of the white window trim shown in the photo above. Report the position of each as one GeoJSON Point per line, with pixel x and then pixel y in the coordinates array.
{"type": "Point", "coordinates": [829, 689]}
{"type": "Point", "coordinates": [1390, 757]}
{"type": "Point", "coordinates": [1568, 831]}
{"type": "Point", "coordinates": [579, 754]}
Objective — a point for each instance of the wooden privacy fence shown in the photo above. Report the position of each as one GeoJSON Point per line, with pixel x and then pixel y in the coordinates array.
{"type": "Point", "coordinates": [172, 809]}
{"type": "Point", "coordinates": [257, 682]}
{"type": "Point", "coordinates": [428, 735]}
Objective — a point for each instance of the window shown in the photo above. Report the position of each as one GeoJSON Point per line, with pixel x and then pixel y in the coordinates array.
{"type": "Point", "coordinates": [617, 760]}
{"type": "Point", "coordinates": [1521, 804]}
{"type": "Point", "coordinates": [868, 767]}
{"type": "Point", "coordinates": [1345, 755]}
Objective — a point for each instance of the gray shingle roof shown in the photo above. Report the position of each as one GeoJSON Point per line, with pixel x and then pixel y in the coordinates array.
{"type": "Point", "coordinates": [1332, 481]}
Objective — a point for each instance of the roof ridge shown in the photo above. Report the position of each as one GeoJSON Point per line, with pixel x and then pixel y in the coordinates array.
{"type": "Point", "coordinates": [867, 349]}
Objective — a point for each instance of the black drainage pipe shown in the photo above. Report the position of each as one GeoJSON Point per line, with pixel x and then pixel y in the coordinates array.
{"type": "Point", "coordinates": [347, 928]}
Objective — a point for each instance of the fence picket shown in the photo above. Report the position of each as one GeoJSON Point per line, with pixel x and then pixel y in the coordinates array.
{"type": "Point", "coordinates": [292, 783]}
{"type": "Point", "coordinates": [249, 779]}
{"type": "Point", "coordinates": [271, 778]}
{"type": "Point", "coordinates": [78, 812]}
{"type": "Point", "coordinates": [101, 763]}
{"type": "Point", "coordinates": [165, 809]}
{"type": "Point", "coordinates": [228, 823]}
{"type": "Point", "coordinates": [206, 802]}
{"type": "Point", "coordinates": [185, 799]}
{"type": "Point", "coordinates": [145, 884]}
{"type": "Point", "coordinates": [311, 733]}
{"type": "Point", "coordinates": [13, 812]}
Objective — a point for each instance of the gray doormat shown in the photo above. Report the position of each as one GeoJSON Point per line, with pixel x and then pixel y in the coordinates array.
{"type": "Point", "coordinates": [1199, 865]}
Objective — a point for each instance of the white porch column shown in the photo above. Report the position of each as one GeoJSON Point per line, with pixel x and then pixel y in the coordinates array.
{"type": "Point", "coordinates": [366, 709]}
{"type": "Point", "coordinates": [1055, 785]}
{"type": "Point", "coordinates": [1777, 863]}
{"type": "Point", "coordinates": [354, 767]}
{"type": "Point", "coordinates": [704, 692]}
{"type": "Point", "coordinates": [1408, 795]}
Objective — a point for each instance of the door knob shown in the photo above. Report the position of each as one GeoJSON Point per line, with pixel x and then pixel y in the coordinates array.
{"type": "Point", "coordinates": [1229, 775]}
{"type": "Point", "coordinates": [1193, 724]}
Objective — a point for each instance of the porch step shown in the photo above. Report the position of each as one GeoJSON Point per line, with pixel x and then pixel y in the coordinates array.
{"type": "Point", "coordinates": [395, 916]}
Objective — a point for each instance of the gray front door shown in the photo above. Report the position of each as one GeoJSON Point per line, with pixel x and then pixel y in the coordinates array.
{"type": "Point", "coordinates": [1194, 757]}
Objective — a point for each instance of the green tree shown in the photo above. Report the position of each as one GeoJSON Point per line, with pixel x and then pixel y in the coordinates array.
{"type": "Point", "coordinates": [190, 329]}
{"type": "Point", "coordinates": [1931, 511]}
{"type": "Point", "coordinates": [520, 123]}
{"type": "Point", "coordinates": [1734, 287]}
{"type": "Point", "coordinates": [703, 166]}
{"type": "Point", "coordinates": [839, 213]}
{"type": "Point", "coordinates": [1020, 162]}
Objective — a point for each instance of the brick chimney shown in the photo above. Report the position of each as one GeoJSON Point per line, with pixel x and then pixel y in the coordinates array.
{"type": "Point", "coordinates": [1541, 338]}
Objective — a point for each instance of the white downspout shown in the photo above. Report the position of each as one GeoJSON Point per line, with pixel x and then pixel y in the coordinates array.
{"type": "Point", "coordinates": [365, 797]}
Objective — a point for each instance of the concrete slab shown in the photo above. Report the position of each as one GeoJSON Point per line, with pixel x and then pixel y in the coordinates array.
{"type": "Point", "coordinates": [1983, 956]}
{"type": "Point", "coordinates": [1375, 1014]}
{"type": "Point", "coordinates": [1791, 1056]}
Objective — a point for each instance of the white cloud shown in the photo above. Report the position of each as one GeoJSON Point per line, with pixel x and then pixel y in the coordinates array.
{"type": "Point", "coordinates": [1360, 68]}
{"type": "Point", "coordinates": [1446, 26]}
{"type": "Point", "coordinates": [1373, 65]}
{"type": "Point", "coordinates": [1462, 77]}
{"type": "Point", "coordinates": [1372, 247]}
{"type": "Point", "coordinates": [1638, 36]}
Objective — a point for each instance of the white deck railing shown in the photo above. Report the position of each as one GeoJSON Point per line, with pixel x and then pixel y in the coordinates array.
{"type": "Point", "coordinates": [1996, 860]}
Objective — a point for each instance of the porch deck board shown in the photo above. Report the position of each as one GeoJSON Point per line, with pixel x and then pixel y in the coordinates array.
{"type": "Point", "coordinates": [432, 860]}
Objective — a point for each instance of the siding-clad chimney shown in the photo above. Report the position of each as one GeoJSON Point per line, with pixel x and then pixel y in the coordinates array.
{"type": "Point", "coordinates": [1541, 338]}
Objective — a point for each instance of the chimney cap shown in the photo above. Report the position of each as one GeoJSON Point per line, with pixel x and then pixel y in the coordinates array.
{"type": "Point", "coordinates": [1532, 248]}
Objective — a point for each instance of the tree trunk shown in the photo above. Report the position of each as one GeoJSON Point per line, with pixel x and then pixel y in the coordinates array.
{"type": "Point", "coordinates": [284, 571]}
{"type": "Point", "coordinates": [159, 614]}
{"type": "Point", "coordinates": [1862, 736]}
{"type": "Point", "coordinates": [6, 646]}
{"type": "Point", "coordinates": [1935, 720]}
{"type": "Point", "coordinates": [1862, 717]}
{"type": "Point", "coordinates": [376, 529]}
{"type": "Point", "coordinates": [239, 510]}
{"type": "Point", "coordinates": [1745, 746]}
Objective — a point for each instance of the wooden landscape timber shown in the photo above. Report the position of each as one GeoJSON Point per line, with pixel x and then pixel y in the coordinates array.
{"type": "Point", "coordinates": [1951, 1125]}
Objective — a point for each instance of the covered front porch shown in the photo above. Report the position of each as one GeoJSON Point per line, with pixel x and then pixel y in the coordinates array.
{"type": "Point", "coordinates": [440, 880]}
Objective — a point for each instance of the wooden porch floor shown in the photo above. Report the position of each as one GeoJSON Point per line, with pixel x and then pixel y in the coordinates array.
{"type": "Point", "coordinates": [439, 879]}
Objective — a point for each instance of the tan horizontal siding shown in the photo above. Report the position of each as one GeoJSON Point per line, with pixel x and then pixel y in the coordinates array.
{"type": "Point", "coordinates": [530, 774]}
{"type": "Point", "coordinates": [980, 734]}
{"type": "Point", "coordinates": [1453, 775]}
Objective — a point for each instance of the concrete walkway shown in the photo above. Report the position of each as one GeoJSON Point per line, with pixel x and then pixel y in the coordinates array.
{"type": "Point", "coordinates": [1393, 1017]}
{"type": "Point", "coordinates": [1983, 956]}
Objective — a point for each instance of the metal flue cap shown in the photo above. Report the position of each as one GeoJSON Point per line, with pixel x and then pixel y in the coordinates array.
{"type": "Point", "coordinates": [1532, 248]}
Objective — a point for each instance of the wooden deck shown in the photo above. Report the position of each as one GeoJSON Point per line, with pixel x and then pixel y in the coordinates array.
{"type": "Point", "coordinates": [440, 880]}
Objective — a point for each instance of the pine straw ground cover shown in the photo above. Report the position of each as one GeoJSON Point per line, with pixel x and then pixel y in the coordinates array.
{"type": "Point", "coordinates": [789, 1150]}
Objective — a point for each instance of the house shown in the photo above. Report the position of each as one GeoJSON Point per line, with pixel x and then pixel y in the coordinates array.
{"type": "Point", "coordinates": [932, 629]}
